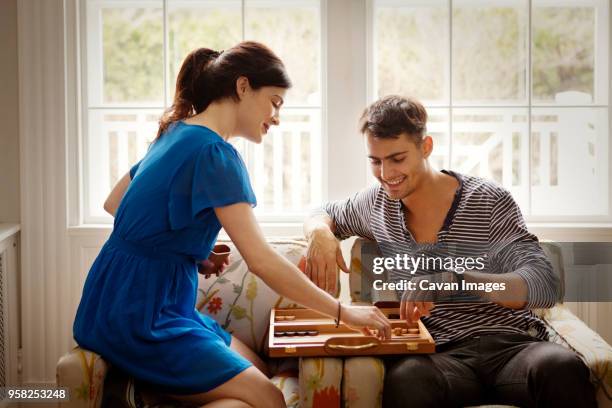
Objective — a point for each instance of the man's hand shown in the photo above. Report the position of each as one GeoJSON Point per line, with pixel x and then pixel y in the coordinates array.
{"type": "Point", "coordinates": [420, 301]}
{"type": "Point", "coordinates": [323, 259]}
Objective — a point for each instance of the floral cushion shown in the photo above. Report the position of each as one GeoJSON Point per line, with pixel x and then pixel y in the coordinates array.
{"type": "Point", "coordinates": [240, 301]}
{"type": "Point", "coordinates": [320, 381]}
{"type": "Point", "coordinates": [362, 385]}
{"type": "Point", "coordinates": [287, 382]}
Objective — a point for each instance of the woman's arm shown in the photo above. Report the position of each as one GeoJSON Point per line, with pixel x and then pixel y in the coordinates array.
{"type": "Point", "coordinates": [285, 278]}
{"type": "Point", "coordinates": [114, 198]}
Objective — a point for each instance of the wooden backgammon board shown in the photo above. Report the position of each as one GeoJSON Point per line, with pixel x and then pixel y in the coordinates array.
{"type": "Point", "coordinates": [304, 332]}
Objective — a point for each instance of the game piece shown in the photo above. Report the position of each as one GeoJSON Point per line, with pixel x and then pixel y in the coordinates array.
{"type": "Point", "coordinates": [279, 318]}
{"type": "Point", "coordinates": [313, 332]}
{"type": "Point", "coordinates": [279, 334]}
{"type": "Point", "coordinates": [413, 331]}
{"type": "Point", "coordinates": [290, 333]}
{"type": "Point", "coordinates": [301, 333]}
{"type": "Point", "coordinates": [289, 317]}
{"type": "Point", "coordinates": [397, 331]}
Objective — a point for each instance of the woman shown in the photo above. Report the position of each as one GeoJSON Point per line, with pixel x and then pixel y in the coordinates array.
{"type": "Point", "coordinates": [138, 304]}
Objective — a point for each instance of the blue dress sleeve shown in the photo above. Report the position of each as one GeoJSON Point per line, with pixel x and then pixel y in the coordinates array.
{"type": "Point", "coordinates": [216, 177]}
{"type": "Point", "coordinates": [134, 169]}
{"type": "Point", "coordinates": [220, 178]}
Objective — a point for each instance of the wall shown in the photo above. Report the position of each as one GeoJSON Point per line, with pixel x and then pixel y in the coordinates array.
{"type": "Point", "coordinates": [9, 113]}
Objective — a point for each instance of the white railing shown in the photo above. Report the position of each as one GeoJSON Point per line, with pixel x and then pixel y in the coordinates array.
{"type": "Point", "coordinates": [285, 169]}
{"type": "Point", "coordinates": [562, 167]}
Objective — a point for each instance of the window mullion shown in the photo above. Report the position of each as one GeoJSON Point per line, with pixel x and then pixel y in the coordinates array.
{"type": "Point", "coordinates": [529, 102]}
{"type": "Point", "coordinates": [165, 50]}
{"type": "Point", "coordinates": [450, 85]}
{"type": "Point", "coordinates": [243, 19]}
{"type": "Point", "coordinates": [249, 149]}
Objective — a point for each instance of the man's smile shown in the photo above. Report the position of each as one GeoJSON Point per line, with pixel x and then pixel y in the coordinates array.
{"type": "Point", "coordinates": [395, 181]}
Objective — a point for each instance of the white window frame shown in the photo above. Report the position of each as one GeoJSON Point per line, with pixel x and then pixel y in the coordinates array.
{"type": "Point", "coordinates": [600, 99]}
{"type": "Point", "coordinates": [347, 68]}
{"type": "Point", "coordinates": [79, 215]}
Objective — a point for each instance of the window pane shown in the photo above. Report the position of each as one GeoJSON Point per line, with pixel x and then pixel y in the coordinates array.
{"type": "Point", "coordinates": [493, 143]}
{"type": "Point", "coordinates": [437, 128]}
{"type": "Point", "coordinates": [292, 29]}
{"type": "Point", "coordinates": [563, 54]}
{"type": "Point", "coordinates": [193, 24]}
{"type": "Point", "coordinates": [285, 168]}
{"type": "Point", "coordinates": [569, 161]}
{"type": "Point", "coordinates": [132, 55]}
{"type": "Point", "coordinates": [411, 50]}
{"type": "Point", "coordinates": [117, 139]}
{"type": "Point", "coordinates": [489, 51]}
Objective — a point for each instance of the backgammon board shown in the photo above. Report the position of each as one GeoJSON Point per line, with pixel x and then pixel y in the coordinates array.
{"type": "Point", "coordinates": [304, 332]}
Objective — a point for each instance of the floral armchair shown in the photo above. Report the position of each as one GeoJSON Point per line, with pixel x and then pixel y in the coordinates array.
{"type": "Point", "coordinates": [241, 303]}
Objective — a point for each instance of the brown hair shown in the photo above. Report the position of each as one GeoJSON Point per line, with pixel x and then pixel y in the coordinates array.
{"type": "Point", "coordinates": [393, 115]}
{"type": "Point", "coordinates": [207, 76]}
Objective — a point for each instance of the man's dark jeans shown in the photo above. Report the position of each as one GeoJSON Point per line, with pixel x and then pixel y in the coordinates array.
{"type": "Point", "coordinates": [512, 369]}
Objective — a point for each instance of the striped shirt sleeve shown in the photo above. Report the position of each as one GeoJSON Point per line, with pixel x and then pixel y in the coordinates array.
{"type": "Point", "coordinates": [517, 250]}
{"type": "Point", "coordinates": [351, 216]}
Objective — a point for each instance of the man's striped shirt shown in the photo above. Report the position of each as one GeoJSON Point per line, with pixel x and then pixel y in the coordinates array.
{"type": "Point", "coordinates": [482, 212]}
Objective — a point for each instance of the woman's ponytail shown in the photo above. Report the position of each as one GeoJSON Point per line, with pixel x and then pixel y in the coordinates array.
{"type": "Point", "coordinates": [191, 74]}
{"type": "Point", "coordinates": [207, 76]}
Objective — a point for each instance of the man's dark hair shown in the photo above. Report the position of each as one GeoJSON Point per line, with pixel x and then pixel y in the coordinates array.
{"type": "Point", "coordinates": [393, 115]}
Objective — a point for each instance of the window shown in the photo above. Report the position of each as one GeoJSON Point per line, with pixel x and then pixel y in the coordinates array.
{"type": "Point", "coordinates": [133, 50]}
{"type": "Point", "coordinates": [516, 90]}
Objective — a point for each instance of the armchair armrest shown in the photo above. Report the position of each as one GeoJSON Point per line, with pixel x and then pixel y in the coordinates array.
{"type": "Point", "coordinates": [83, 373]}
{"type": "Point", "coordinates": [569, 331]}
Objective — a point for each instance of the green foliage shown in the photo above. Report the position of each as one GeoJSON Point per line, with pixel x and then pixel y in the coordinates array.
{"type": "Point", "coordinates": [294, 35]}
{"type": "Point", "coordinates": [490, 49]}
{"type": "Point", "coordinates": [133, 55]}
{"type": "Point", "coordinates": [217, 29]}
{"type": "Point", "coordinates": [133, 46]}
{"type": "Point", "coordinates": [563, 57]}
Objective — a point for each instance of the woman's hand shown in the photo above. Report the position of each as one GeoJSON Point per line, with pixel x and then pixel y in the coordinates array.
{"type": "Point", "coordinates": [323, 258]}
{"type": "Point", "coordinates": [365, 318]}
{"type": "Point", "coordinates": [218, 259]}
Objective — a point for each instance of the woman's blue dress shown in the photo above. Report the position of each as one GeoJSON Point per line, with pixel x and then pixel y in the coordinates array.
{"type": "Point", "coordinates": [138, 304]}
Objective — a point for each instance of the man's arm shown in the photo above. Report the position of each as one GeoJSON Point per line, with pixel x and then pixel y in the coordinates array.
{"type": "Point", "coordinates": [324, 255]}
{"type": "Point", "coordinates": [336, 220]}
{"type": "Point", "coordinates": [514, 296]}
{"type": "Point", "coordinates": [319, 222]}
{"type": "Point", "coordinates": [523, 272]}
{"type": "Point", "coordinates": [517, 260]}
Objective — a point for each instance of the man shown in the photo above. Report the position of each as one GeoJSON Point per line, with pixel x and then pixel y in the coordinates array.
{"type": "Point", "coordinates": [490, 351]}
